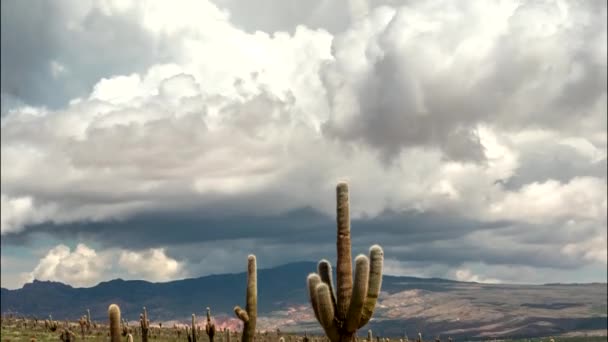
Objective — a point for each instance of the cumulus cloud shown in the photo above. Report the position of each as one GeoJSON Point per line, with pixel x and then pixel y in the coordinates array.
{"type": "Point", "coordinates": [454, 125]}
{"type": "Point", "coordinates": [81, 267]}
{"type": "Point", "coordinates": [85, 267]}
{"type": "Point", "coordinates": [151, 265]}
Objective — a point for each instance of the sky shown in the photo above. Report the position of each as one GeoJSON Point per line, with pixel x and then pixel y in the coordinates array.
{"type": "Point", "coordinates": [162, 140]}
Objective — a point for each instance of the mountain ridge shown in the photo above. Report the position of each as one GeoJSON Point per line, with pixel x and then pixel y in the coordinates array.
{"type": "Point", "coordinates": [433, 305]}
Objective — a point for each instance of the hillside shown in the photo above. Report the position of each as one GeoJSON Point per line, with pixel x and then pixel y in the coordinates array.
{"type": "Point", "coordinates": [433, 306]}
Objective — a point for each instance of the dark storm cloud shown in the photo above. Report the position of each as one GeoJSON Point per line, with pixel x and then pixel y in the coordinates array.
{"type": "Point", "coordinates": [430, 237]}
{"type": "Point", "coordinates": [36, 34]}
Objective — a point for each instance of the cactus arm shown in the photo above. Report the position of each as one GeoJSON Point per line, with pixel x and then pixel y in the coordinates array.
{"type": "Point", "coordinates": [326, 312]}
{"type": "Point", "coordinates": [114, 315]}
{"type": "Point", "coordinates": [376, 256]}
{"type": "Point", "coordinates": [326, 273]}
{"type": "Point", "coordinates": [344, 266]}
{"type": "Point", "coordinates": [241, 314]}
{"type": "Point", "coordinates": [313, 280]}
{"type": "Point", "coordinates": [359, 293]}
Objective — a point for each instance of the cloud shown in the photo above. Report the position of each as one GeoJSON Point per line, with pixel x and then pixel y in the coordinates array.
{"type": "Point", "coordinates": [467, 275]}
{"type": "Point", "coordinates": [84, 266]}
{"type": "Point", "coordinates": [81, 267]}
{"type": "Point", "coordinates": [468, 133]}
{"type": "Point", "coordinates": [151, 265]}
{"type": "Point", "coordinates": [419, 76]}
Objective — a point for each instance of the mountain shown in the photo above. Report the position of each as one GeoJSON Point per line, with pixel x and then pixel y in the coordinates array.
{"type": "Point", "coordinates": [433, 306]}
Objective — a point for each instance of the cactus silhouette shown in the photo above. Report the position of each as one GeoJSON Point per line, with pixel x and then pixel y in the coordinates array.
{"type": "Point", "coordinates": [352, 306]}
{"type": "Point", "coordinates": [210, 326]}
{"type": "Point", "coordinates": [250, 314]}
{"type": "Point", "coordinates": [114, 314]}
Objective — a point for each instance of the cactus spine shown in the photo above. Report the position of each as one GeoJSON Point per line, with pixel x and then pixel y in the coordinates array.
{"type": "Point", "coordinates": [353, 305]}
{"type": "Point", "coordinates": [249, 315]}
{"type": "Point", "coordinates": [210, 326]}
{"type": "Point", "coordinates": [114, 314]}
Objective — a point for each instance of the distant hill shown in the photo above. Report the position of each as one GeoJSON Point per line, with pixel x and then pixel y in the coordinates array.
{"type": "Point", "coordinates": [434, 306]}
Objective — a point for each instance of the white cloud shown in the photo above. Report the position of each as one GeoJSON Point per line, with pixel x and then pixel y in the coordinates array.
{"type": "Point", "coordinates": [593, 249]}
{"type": "Point", "coordinates": [581, 198]}
{"type": "Point", "coordinates": [464, 274]}
{"type": "Point", "coordinates": [80, 267]}
{"type": "Point", "coordinates": [151, 265]}
{"type": "Point", "coordinates": [85, 267]}
{"type": "Point", "coordinates": [20, 211]}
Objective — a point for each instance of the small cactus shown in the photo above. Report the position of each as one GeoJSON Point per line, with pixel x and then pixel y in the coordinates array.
{"type": "Point", "coordinates": [192, 332]}
{"type": "Point", "coordinates": [249, 315]}
{"type": "Point", "coordinates": [114, 314]}
{"type": "Point", "coordinates": [352, 306]}
{"type": "Point", "coordinates": [67, 335]}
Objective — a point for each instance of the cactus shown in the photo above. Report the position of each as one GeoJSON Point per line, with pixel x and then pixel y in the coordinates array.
{"type": "Point", "coordinates": [83, 323]}
{"type": "Point", "coordinates": [249, 315]}
{"type": "Point", "coordinates": [67, 335]}
{"type": "Point", "coordinates": [227, 333]}
{"type": "Point", "coordinates": [191, 332]}
{"type": "Point", "coordinates": [144, 323]}
{"type": "Point", "coordinates": [50, 324]}
{"type": "Point", "coordinates": [129, 338]}
{"type": "Point", "coordinates": [114, 314]}
{"type": "Point", "coordinates": [352, 306]}
{"type": "Point", "coordinates": [210, 326]}
{"type": "Point", "coordinates": [188, 335]}
{"type": "Point", "coordinates": [369, 335]}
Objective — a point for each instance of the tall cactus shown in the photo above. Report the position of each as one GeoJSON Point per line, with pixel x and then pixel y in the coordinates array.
{"type": "Point", "coordinates": [250, 314]}
{"type": "Point", "coordinates": [114, 314]}
{"type": "Point", "coordinates": [352, 306]}
{"type": "Point", "coordinates": [210, 326]}
{"type": "Point", "coordinates": [192, 337]}
{"type": "Point", "coordinates": [88, 321]}
{"type": "Point", "coordinates": [144, 323]}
